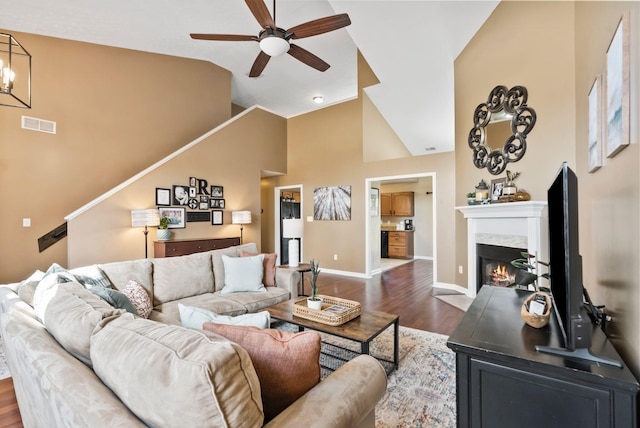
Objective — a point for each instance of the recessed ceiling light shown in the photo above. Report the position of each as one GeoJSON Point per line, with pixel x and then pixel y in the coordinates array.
{"type": "Point", "coordinates": [429, 149]}
{"type": "Point", "coordinates": [318, 100]}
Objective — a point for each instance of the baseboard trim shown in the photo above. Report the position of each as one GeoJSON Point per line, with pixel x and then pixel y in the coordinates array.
{"type": "Point", "coordinates": [346, 273]}
{"type": "Point", "coordinates": [454, 287]}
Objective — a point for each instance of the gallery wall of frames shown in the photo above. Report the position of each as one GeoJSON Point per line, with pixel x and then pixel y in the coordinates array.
{"type": "Point", "coordinates": [196, 201]}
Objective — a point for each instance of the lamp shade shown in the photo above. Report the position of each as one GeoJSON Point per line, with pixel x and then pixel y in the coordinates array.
{"type": "Point", "coordinates": [274, 45]}
{"type": "Point", "coordinates": [149, 217]}
{"type": "Point", "coordinates": [292, 228]}
{"type": "Point", "coordinates": [241, 217]}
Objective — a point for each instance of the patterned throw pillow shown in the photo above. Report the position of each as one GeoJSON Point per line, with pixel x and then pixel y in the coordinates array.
{"type": "Point", "coordinates": [139, 298]}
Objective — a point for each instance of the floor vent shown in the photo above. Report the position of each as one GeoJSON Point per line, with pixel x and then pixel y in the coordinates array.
{"type": "Point", "coordinates": [41, 125]}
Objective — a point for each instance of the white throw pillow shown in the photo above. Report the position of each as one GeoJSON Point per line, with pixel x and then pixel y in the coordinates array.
{"type": "Point", "coordinates": [192, 317]}
{"type": "Point", "coordinates": [243, 274]}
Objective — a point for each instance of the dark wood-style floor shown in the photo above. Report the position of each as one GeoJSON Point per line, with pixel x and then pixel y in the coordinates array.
{"type": "Point", "coordinates": [405, 290]}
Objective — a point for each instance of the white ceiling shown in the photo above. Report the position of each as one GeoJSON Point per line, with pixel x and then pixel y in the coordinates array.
{"type": "Point", "coordinates": [410, 46]}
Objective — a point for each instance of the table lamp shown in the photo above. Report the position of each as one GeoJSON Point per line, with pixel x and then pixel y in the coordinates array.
{"type": "Point", "coordinates": [292, 228]}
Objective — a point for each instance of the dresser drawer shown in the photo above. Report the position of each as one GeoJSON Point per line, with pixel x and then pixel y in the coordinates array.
{"type": "Point", "coordinates": [191, 246]}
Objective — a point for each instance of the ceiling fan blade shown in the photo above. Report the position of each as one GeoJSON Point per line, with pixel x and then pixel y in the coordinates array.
{"type": "Point", "coordinates": [259, 10]}
{"type": "Point", "coordinates": [319, 26]}
{"type": "Point", "coordinates": [224, 37]}
{"type": "Point", "coordinates": [259, 64]}
{"type": "Point", "coordinates": [308, 58]}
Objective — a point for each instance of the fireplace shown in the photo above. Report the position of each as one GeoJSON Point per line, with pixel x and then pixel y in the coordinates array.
{"type": "Point", "coordinates": [494, 265]}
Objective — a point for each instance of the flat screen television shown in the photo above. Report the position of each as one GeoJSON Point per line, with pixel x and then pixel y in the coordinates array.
{"type": "Point", "coordinates": [565, 271]}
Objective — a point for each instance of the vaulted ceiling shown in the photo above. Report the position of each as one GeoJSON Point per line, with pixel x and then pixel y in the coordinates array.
{"type": "Point", "coordinates": [410, 45]}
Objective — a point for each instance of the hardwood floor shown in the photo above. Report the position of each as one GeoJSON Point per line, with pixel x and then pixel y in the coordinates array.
{"type": "Point", "coordinates": [405, 290]}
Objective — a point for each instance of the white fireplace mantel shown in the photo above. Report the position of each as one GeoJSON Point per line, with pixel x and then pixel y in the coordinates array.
{"type": "Point", "coordinates": [510, 224]}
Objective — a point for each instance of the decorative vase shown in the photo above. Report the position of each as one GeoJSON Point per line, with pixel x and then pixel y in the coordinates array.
{"type": "Point", "coordinates": [522, 195]}
{"type": "Point", "coordinates": [163, 234]}
{"type": "Point", "coordinates": [315, 304]}
{"type": "Point", "coordinates": [509, 188]}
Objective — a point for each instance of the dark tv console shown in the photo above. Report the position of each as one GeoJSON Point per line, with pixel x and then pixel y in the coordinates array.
{"type": "Point", "coordinates": [503, 382]}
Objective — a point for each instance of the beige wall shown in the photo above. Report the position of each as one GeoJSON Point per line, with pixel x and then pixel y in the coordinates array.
{"type": "Point", "coordinates": [609, 210]}
{"type": "Point", "coordinates": [537, 53]}
{"type": "Point", "coordinates": [260, 138]}
{"type": "Point", "coordinates": [325, 148]}
{"type": "Point", "coordinates": [117, 112]}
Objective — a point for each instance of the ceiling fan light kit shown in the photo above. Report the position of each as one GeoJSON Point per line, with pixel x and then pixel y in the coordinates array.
{"type": "Point", "coordinates": [274, 41]}
{"type": "Point", "coordinates": [273, 45]}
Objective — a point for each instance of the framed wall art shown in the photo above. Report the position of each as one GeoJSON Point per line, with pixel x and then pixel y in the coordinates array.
{"type": "Point", "coordinates": [595, 125]}
{"type": "Point", "coordinates": [374, 202]}
{"type": "Point", "coordinates": [176, 216]}
{"type": "Point", "coordinates": [180, 195]}
{"type": "Point", "coordinates": [217, 192]}
{"type": "Point", "coordinates": [332, 203]}
{"type": "Point", "coordinates": [216, 203]}
{"type": "Point", "coordinates": [497, 186]}
{"type": "Point", "coordinates": [216, 217]}
{"type": "Point", "coordinates": [163, 197]}
{"type": "Point", "coordinates": [618, 89]}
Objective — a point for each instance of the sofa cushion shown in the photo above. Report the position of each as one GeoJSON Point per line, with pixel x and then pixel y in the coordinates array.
{"type": "Point", "coordinates": [169, 312]}
{"type": "Point", "coordinates": [218, 265]}
{"type": "Point", "coordinates": [193, 317]}
{"type": "Point", "coordinates": [255, 301]}
{"type": "Point", "coordinates": [183, 276]}
{"type": "Point", "coordinates": [138, 297]}
{"type": "Point", "coordinates": [119, 273]}
{"type": "Point", "coordinates": [70, 312]}
{"type": "Point", "coordinates": [288, 364]}
{"type": "Point", "coordinates": [242, 274]}
{"type": "Point", "coordinates": [269, 264]}
{"type": "Point", "coordinates": [172, 376]}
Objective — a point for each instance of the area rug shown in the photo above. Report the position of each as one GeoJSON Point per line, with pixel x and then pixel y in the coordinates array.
{"type": "Point", "coordinates": [422, 392]}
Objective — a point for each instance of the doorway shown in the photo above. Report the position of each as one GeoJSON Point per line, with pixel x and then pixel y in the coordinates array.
{"type": "Point", "coordinates": [423, 185]}
{"type": "Point", "coordinates": [288, 203]}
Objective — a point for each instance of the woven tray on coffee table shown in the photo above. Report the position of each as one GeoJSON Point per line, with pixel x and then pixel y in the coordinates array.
{"type": "Point", "coordinates": [335, 311]}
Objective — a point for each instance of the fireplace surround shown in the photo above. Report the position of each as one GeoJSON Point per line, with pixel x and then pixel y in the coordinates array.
{"type": "Point", "coordinates": [522, 226]}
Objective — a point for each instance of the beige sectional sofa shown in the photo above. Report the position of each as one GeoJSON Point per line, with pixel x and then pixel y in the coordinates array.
{"type": "Point", "coordinates": [77, 361]}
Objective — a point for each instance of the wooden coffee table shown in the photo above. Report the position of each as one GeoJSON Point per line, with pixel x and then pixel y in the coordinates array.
{"type": "Point", "coordinates": [362, 329]}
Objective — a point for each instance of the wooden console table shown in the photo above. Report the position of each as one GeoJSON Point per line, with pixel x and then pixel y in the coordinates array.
{"type": "Point", "coordinates": [182, 247]}
{"type": "Point", "coordinates": [503, 382]}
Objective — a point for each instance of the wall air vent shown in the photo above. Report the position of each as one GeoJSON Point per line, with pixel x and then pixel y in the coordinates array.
{"type": "Point", "coordinates": [41, 125]}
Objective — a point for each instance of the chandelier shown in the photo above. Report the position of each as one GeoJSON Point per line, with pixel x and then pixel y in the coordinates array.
{"type": "Point", "coordinates": [15, 73]}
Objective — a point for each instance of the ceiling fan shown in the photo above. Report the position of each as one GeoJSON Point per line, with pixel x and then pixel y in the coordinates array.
{"type": "Point", "coordinates": [275, 41]}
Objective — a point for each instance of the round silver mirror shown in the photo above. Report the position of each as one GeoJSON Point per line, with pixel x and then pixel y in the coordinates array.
{"type": "Point", "coordinates": [506, 118]}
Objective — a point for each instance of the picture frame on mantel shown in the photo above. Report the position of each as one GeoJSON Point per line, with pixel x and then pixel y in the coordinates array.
{"type": "Point", "coordinates": [595, 125]}
{"type": "Point", "coordinates": [497, 186]}
{"type": "Point", "coordinates": [618, 87]}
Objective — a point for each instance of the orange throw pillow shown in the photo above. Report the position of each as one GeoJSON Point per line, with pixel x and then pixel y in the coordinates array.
{"type": "Point", "coordinates": [269, 274]}
{"type": "Point", "coordinates": [287, 364]}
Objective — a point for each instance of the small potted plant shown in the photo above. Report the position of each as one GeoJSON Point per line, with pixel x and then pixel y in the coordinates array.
{"type": "Point", "coordinates": [163, 229]}
{"type": "Point", "coordinates": [471, 198]}
{"type": "Point", "coordinates": [314, 302]}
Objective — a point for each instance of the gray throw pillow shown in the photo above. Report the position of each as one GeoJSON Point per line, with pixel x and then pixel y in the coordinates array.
{"type": "Point", "coordinates": [115, 298]}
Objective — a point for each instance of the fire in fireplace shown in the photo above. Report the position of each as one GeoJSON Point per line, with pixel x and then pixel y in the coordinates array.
{"type": "Point", "coordinates": [494, 265]}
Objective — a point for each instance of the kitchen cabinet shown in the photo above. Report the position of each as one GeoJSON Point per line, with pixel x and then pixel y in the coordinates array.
{"type": "Point", "coordinates": [401, 244]}
{"type": "Point", "coordinates": [399, 204]}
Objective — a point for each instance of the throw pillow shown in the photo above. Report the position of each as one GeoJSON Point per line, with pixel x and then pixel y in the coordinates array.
{"type": "Point", "coordinates": [138, 297]}
{"type": "Point", "coordinates": [114, 298]}
{"type": "Point", "coordinates": [269, 272]}
{"type": "Point", "coordinates": [287, 364]}
{"type": "Point", "coordinates": [27, 288]}
{"type": "Point", "coordinates": [91, 276]}
{"type": "Point", "coordinates": [242, 274]}
{"type": "Point", "coordinates": [192, 317]}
